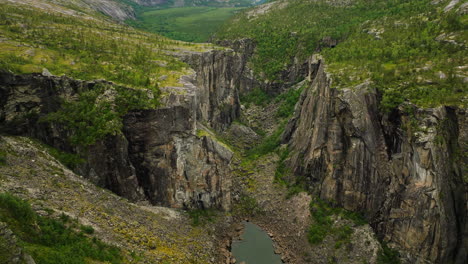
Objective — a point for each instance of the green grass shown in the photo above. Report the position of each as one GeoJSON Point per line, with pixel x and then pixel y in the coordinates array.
{"type": "Point", "coordinates": [86, 48]}
{"type": "Point", "coordinates": [388, 256]}
{"type": "Point", "coordinates": [404, 64]}
{"type": "Point", "coordinates": [323, 226]}
{"type": "Point", "coordinates": [288, 101]}
{"type": "Point", "coordinates": [267, 145]}
{"type": "Point", "coordinates": [5, 250]}
{"type": "Point", "coordinates": [194, 24]}
{"type": "Point", "coordinates": [256, 96]}
{"type": "Point", "coordinates": [53, 241]}
{"type": "Point", "coordinates": [68, 159]}
{"type": "Point", "coordinates": [202, 216]}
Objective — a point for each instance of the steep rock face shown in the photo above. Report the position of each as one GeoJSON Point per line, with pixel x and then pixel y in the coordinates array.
{"type": "Point", "coordinates": [401, 170]}
{"type": "Point", "coordinates": [26, 98]}
{"type": "Point", "coordinates": [175, 167]}
{"type": "Point", "coordinates": [296, 70]}
{"type": "Point", "coordinates": [114, 9]}
{"type": "Point", "coordinates": [157, 157]}
{"type": "Point", "coordinates": [221, 74]}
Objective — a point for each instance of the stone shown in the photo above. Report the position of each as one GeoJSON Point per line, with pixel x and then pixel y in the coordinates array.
{"type": "Point", "coordinates": [407, 183]}
{"type": "Point", "coordinates": [158, 156]}
{"type": "Point", "coordinates": [46, 72]}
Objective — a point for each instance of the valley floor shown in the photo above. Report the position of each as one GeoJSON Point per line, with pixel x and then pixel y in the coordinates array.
{"type": "Point", "coordinates": [285, 214]}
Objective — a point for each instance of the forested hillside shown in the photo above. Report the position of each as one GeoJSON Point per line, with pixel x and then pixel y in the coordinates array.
{"type": "Point", "coordinates": [414, 50]}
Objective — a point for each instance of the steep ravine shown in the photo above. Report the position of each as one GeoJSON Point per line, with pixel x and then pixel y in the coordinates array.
{"type": "Point", "coordinates": [401, 170]}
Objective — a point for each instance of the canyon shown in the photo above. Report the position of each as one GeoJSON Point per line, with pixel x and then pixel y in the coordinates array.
{"type": "Point", "coordinates": [403, 171]}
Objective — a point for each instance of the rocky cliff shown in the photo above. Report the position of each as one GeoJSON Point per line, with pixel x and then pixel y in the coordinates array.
{"type": "Point", "coordinates": [114, 9]}
{"type": "Point", "coordinates": [402, 170]}
{"type": "Point", "coordinates": [220, 76]}
{"type": "Point", "coordinates": [158, 155]}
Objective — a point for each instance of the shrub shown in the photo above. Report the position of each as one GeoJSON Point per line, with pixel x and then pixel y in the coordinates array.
{"type": "Point", "coordinates": [257, 97]}
{"type": "Point", "coordinates": [201, 216]}
{"type": "Point", "coordinates": [91, 119]}
{"type": "Point", "coordinates": [87, 229]}
{"type": "Point", "coordinates": [3, 157]}
{"type": "Point", "coordinates": [388, 255]}
{"type": "Point", "coordinates": [268, 144]}
{"type": "Point", "coordinates": [288, 101]}
{"type": "Point", "coordinates": [17, 209]}
{"type": "Point", "coordinates": [281, 168]}
{"type": "Point", "coordinates": [68, 159]}
{"type": "Point", "coordinates": [51, 241]}
{"type": "Point", "coordinates": [322, 226]}
{"type": "Point", "coordinates": [247, 206]}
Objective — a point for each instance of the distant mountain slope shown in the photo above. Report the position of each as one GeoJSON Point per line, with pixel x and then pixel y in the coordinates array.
{"type": "Point", "coordinates": [187, 20]}
{"type": "Point", "coordinates": [181, 3]}
{"type": "Point", "coordinates": [194, 23]}
{"type": "Point", "coordinates": [116, 9]}
{"type": "Point", "coordinates": [406, 47]}
{"type": "Point", "coordinates": [75, 40]}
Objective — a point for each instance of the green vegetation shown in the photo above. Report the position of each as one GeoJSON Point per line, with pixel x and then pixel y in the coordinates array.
{"type": "Point", "coordinates": [92, 117]}
{"type": "Point", "coordinates": [405, 60]}
{"type": "Point", "coordinates": [3, 157]}
{"type": "Point", "coordinates": [257, 96]}
{"type": "Point", "coordinates": [86, 48]}
{"type": "Point", "coordinates": [87, 229]}
{"type": "Point", "coordinates": [51, 241]}
{"type": "Point", "coordinates": [288, 101]}
{"type": "Point", "coordinates": [282, 170]}
{"type": "Point", "coordinates": [195, 24]}
{"type": "Point", "coordinates": [401, 46]}
{"type": "Point", "coordinates": [5, 251]}
{"type": "Point", "coordinates": [68, 159]}
{"type": "Point", "coordinates": [388, 256]}
{"type": "Point", "coordinates": [269, 144]}
{"type": "Point", "coordinates": [295, 184]}
{"type": "Point", "coordinates": [247, 206]}
{"type": "Point", "coordinates": [323, 226]}
{"type": "Point", "coordinates": [202, 216]}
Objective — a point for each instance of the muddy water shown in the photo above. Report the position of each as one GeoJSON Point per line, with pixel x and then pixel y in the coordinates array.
{"type": "Point", "coordinates": [255, 247]}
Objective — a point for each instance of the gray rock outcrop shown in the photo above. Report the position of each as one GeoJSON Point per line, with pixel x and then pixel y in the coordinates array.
{"type": "Point", "coordinates": [401, 169]}
{"type": "Point", "coordinates": [158, 156]}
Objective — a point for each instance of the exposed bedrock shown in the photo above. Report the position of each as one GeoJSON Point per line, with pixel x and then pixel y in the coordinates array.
{"type": "Point", "coordinates": [158, 156]}
{"type": "Point", "coordinates": [402, 170]}
{"type": "Point", "coordinates": [220, 76]}
{"type": "Point", "coordinates": [175, 167]}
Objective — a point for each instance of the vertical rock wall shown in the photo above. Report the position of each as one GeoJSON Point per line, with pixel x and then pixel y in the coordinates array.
{"type": "Point", "coordinates": [159, 156]}
{"type": "Point", "coordinates": [401, 170]}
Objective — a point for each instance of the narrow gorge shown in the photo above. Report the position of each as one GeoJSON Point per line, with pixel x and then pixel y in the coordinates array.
{"type": "Point", "coordinates": [166, 159]}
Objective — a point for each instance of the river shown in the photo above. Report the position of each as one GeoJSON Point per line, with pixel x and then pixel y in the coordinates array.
{"type": "Point", "coordinates": [255, 247]}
